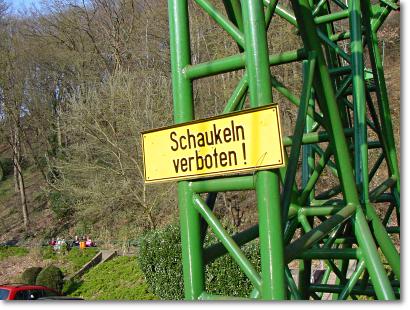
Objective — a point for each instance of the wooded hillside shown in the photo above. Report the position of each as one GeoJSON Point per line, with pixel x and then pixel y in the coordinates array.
{"type": "Point", "coordinates": [79, 81]}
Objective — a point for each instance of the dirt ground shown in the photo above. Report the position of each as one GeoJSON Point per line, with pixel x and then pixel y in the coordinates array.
{"type": "Point", "coordinates": [12, 267]}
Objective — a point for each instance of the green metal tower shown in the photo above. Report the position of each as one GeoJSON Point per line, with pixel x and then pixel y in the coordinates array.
{"type": "Point", "coordinates": [343, 114]}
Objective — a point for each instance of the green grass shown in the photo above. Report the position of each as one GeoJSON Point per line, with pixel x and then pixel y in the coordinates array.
{"type": "Point", "coordinates": [31, 176]}
{"type": "Point", "coordinates": [71, 261]}
{"type": "Point", "coordinates": [6, 189]}
{"type": "Point", "coordinates": [9, 251]}
{"type": "Point", "coordinates": [77, 258]}
{"type": "Point", "coordinates": [117, 279]}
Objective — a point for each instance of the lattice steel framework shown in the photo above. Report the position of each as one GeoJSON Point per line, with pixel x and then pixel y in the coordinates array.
{"type": "Point", "coordinates": [343, 113]}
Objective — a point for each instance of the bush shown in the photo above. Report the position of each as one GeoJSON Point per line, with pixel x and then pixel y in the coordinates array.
{"type": "Point", "coordinates": [117, 279]}
{"type": "Point", "coordinates": [51, 277]}
{"type": "Point", "coordinates": [6, 167]}
{"type": "Point", "coordinates": [29, 275]}
{"type": "Point", "coordinates": [224, 277]}
{"type": "Point", "coordinates": [61, 204]}
{"type": "Point", "coordinates": [160, 260]}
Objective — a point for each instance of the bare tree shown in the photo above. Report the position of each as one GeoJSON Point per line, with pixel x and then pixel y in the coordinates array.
{"type": "Point", "coordinates": [13, 82]}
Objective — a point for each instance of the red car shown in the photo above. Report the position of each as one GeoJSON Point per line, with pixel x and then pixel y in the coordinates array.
{"type": "Point", "coordinates": [25, 292]}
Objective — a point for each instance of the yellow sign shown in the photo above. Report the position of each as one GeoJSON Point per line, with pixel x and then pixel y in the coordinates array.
{"type": "Point", "coordinates": [244, 141]}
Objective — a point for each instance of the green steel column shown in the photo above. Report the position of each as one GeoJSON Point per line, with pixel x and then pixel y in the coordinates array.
{"type": "Point", "coordinates": [267, 182]}
{"type": "Point", "coordinates": [326, 99]}
{"type": "Point", "coordinates": [359, 100]}
{"type": "Point", "coordinates": [334, 62]}
{"type": "Point", "coordinates": [359, 112]}
{"type": "Point", "coordinates": [233, 10]}
{"type": "Point", "coordinates": [308, 162]}
{"type": "Point", "coordinates": [371, 257]}
{"type": "Point", "coordinates": [327, 102]}
{"type": "Point", "coordinates": [183, 111]}
{"type": "Point", "coordinates": [384, 241]}
{"type": "Point", "coordinates": [382, 97]}
{"type": "Point", "coordinates": [308, 72]}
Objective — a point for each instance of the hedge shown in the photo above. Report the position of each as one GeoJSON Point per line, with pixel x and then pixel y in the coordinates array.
{"type": "Point", "coordinates": [52, 277]}
{"type": "Point", "coordinates": [6, 167]}
{"type": "Point", "coordinates": [29, 275]}
{"type": "Point", "coordinates": [160, 260]}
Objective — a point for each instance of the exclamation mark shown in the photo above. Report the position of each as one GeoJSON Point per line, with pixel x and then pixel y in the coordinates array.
{"type": "Point", "coordinates": [244, 153]}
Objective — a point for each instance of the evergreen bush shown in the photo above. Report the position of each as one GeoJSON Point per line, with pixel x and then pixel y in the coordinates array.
{"type": "Point", "coordinates": [51, 277]}
{"type": "Point", "coordinates": [6, 167]}
{"type": "Point", "coordinates": [160, 260]}
{"type": "Point", "coordinates": [29, 275]}
{"type": "Point", "coordinates": [61, 204]}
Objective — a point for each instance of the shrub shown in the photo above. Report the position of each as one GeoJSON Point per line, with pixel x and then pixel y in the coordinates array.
{"type": "Point", "coordinates": [117, 279]}
{"type": "Point", "coordinates": [71, 285]}
{"type": "Point", "coordinates": [29, 275]}
{"type": "Point", "coordinates": [6, 167]}
{"type": "Point", "coordinates": [51, 277]}
{"type": "Point", "coordinates": [160, 260]}
{"type": "Point", "coordinates": [61, 204]}
{"type": "Point", "coordinates": [224, 277]}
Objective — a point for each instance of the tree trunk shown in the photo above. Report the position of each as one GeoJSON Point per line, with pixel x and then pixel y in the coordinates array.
{"type": "Point", "coordinates": [58, 128]}
{"type": "Point", "coordinates": [23, 197]}
{"type": "Point", "coordinates": [16, 182]}
{"type": "Point", "coordinates": [16, 159]}
{"type": "Point", "coordinates": [34, 155]}
{"type": "Point", "coordinates": [18, 174]}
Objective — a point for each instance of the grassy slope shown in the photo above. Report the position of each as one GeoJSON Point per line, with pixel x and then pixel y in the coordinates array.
{"type": "Point", "coordinates": [11, 224]}
{"type": "Point", "coordinates": [6, 252]}
{"type": "Point", "coordinates": [14, 260]}
{"type": "Point", "coordinates": [117, 279]}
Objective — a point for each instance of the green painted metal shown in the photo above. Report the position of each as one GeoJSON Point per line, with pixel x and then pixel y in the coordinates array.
{"type": "Point", "coordinates": [183, 112]}
{"type": "Point", "coordinates": [367, 291]}
{"type": "Point", "coordinates": [331, 17]}
{"type": "Point", "coordinates": [352, 281]}
{"type": "Point", "coordinates": [359, 100]}
{"type": "Point", "coordinates": [301, 221]}
{"type": "Point", "coordinates": [330, 254]}
{"type": "Point", "coordinates": [267, 182]}
{"type": "Point", "coordinates": [224, 184]}
{"type": "Point", "coordinates": [225, 23]}
{"type": "Point", "coordinates": [228, 242]}
{"type": "Point", "coordinates": [206, 296]}
{"type": "Point", "coordinates": [217, 250]}
{"type": "Point", "coordinates": [236, 62]}
{"type": "Point", "coordinates": [309, 69]}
